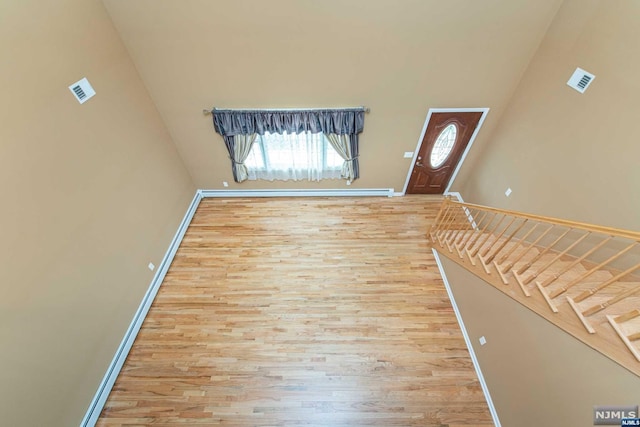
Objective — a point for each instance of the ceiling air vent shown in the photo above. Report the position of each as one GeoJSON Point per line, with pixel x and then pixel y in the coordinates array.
{"type": "Point", "coordinates": [580, 80]}
{"type": "Point", "coordinates": [82, 90]}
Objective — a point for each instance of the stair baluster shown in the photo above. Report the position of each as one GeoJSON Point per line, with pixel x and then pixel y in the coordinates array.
{"type": "Point", "coordinates": [517, 273]}
{"type": "Point", "coordinates": [502, 272]}
{"type": "Point", "coordinates": [523, 245]}
{"type": "Point", "coordinates": [598, 267]}
{"type": "Point", "coordinates": [463, 242]}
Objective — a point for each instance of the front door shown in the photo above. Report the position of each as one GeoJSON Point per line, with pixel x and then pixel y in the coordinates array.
{"type": "Point", "coordinates": [444, 141]}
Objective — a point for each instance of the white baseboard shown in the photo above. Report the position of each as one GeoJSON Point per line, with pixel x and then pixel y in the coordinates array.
{"type": "Point", "coordinates": [347, 192]}
{"type": "Point", "coordinates": [467, 340]}
{"type": "Point", "coordinates": [100, 398]}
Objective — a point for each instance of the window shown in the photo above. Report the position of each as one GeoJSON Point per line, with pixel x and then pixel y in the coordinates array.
{"type": "Point", "coordinates": [311, 144]}
{"type": "Point", "coordinates": [443, 145]}
{"type": "Point", "coordinates": [293, 157]}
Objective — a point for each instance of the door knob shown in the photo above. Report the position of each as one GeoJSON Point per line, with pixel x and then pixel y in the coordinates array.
{"type": "Point", "coordinates": [419, 164]}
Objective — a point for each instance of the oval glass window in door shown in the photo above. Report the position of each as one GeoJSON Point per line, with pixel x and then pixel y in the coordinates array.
{"type": "Point", "coordinates": [443, 145]}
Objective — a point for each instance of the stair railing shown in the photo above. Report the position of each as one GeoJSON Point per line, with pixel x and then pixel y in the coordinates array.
{"type": "Point", "coordinates": [573, 265]}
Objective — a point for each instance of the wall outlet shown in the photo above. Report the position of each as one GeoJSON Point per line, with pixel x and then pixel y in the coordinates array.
{"type": "Point", "coordinates": [151, 266]}
{"type": "Point", "coordinates": [225, 184]}
{"type": "Point", "coordinates": [408, 154]}
{"type": "Point", "coordinates": [482, 340]}
{"type": "Point", "coordinates": [508, 192]}
{"type": "Point", "coordinates": [348, 182]}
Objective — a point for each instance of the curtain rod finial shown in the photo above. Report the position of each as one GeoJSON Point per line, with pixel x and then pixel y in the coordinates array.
{"type": "Point", "coordinates": [206, 112]}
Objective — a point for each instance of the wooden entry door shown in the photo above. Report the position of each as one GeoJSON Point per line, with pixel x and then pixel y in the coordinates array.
{"type": "Point", "coordinates": [445, 140]}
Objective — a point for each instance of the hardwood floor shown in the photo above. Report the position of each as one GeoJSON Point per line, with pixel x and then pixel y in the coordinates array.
{"type": "Point", "coordinates": [301, 312]}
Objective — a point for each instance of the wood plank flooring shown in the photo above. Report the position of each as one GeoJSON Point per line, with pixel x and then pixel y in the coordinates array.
{"type": "Point", "coordinates": [301, 312]}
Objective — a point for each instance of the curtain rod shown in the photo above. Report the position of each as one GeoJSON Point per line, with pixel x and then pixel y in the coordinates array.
{"type": "Point", "coordinates": [207, 112]}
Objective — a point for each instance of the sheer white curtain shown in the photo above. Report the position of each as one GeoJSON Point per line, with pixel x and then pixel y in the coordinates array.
{"type": "Point", "coordinates": [303, 156]}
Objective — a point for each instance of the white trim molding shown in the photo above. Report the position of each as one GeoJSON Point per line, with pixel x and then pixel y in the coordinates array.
{"type": "Point", "coordinates": [355, 192]}
{"type": "Point", "coordinates": [467, 340]}
{"type": "Point", "coordinates": [100, 398]}
{"type": "Point", "coordinates": [484, 112]}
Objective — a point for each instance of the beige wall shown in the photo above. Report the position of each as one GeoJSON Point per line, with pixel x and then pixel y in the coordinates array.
{"type": "Point", "coordinates": [399, 58]}
{"type": "Point", "coordinates": [537, 374]}
{"type": "Point", "coordinates": [568, 155]}
{"type": "Point", "coordinates": [90, 195]}
{"type": "Point", "coordinates": [94, 192]}
{"type": "Point", "coordinates": [563, 153]}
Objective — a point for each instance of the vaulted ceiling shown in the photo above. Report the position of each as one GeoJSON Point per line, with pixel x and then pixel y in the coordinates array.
{"type": "Point", "coordinates": [399, 58]}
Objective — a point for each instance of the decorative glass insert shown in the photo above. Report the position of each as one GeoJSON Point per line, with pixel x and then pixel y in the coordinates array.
{"type": "Point", "coordinates": [444, 145]}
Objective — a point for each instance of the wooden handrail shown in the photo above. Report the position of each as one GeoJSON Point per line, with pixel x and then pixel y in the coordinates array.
{"type": "Point", "coordinates": [633, 235]}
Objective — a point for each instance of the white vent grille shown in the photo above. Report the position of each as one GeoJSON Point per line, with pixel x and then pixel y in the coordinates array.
{"type": "Point", "coordinates": [580, 80]}
{"type": "Point", "coordinates": [82, 90]}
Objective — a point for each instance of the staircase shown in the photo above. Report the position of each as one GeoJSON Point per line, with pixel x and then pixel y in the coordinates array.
{"type": "Point", "coordinates": [581, 277]}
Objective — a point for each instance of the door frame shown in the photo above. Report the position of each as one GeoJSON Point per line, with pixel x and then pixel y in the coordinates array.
{"type": "Point", "coordinates": [484, 112]}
